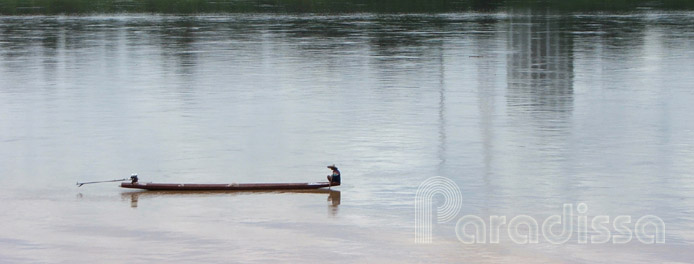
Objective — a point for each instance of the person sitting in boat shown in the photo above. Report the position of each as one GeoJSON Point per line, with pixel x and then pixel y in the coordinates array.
{"type": "Point", "coordinates": [133, 178]}
{"type": "Point", "coordinates": [335, 178]}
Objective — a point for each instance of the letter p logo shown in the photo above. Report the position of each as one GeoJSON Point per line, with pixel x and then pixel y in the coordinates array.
{"type": "Point", "coordinates": [452, 201]}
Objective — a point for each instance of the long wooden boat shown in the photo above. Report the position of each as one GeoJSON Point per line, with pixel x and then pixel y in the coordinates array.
{"type": "Point", "coordinates": [226, 187]}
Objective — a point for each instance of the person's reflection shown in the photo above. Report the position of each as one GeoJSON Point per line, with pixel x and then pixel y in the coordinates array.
{"type": "Point", "coordinates": [334, 198]}
{"type": "Point", "coordinates": [133, 199]}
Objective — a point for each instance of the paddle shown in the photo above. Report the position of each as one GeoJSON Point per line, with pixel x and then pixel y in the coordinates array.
{"type": "Point", "coordinates": [79, 184]}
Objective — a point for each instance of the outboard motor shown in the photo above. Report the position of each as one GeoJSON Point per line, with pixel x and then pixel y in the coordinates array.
{"type": "Point", "coordinates": [133, 178]}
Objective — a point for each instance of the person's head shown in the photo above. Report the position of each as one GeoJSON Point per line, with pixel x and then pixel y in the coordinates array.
{"type": "Point", "coordinates": [332, 167]}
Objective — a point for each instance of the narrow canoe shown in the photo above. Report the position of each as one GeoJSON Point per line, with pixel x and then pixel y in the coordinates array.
{"type": "Point", "coordinates": [226, 187]}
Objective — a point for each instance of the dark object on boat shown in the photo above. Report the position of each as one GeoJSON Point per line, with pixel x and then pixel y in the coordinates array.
{"type": "Point", "coordinates": [133, 178]}
{"type": "Point", "coordinates": [226, 187]}
{"type": "Point", "coordinates": [335, 178]}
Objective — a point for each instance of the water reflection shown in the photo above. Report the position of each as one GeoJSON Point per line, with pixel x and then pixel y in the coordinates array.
{"type": "Point", "coordinates": [540, 69]}
{"type": "Point", "coordinates": [487, 92]}
{"type": "Point", "coordinates": [539, 102]}
{"type": "Point", "coordinates": [333, 198]}
{"type": "Point", "coordinates": [540, 80]}
{"type": "Point", "coordinates": [442, 113]}
{"type": "Point", "coordinates": [178, 40]}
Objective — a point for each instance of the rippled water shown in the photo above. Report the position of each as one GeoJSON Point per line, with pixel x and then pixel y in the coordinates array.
{"type": "Point", "coordinates": [524, 111]}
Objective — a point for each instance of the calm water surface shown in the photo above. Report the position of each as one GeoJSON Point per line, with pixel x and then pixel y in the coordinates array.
{"type": "Point", "coordinates": [524, 111]}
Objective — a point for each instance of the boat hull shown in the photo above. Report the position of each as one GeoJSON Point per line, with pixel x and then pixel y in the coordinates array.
{"type": "Point", "coordinates": [226, 187]}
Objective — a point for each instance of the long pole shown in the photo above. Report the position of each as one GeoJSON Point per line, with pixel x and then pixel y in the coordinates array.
{"type": "Point", "coordinates": [79, 184]}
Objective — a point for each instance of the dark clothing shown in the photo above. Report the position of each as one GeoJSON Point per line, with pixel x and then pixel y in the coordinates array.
{"type": "Point", "coordinates": [335, 178]}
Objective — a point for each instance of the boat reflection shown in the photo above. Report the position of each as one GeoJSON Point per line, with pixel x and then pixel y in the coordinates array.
{"type": "Point", "coordinates": [334, 196]}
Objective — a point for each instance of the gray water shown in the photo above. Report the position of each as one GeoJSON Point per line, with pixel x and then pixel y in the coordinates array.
{"type": "Point", "coordinates": [525, 111]}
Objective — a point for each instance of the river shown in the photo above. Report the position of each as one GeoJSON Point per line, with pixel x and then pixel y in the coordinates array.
{"type": "Point", "coordinates": [524, 111]}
